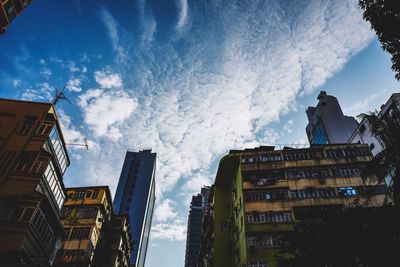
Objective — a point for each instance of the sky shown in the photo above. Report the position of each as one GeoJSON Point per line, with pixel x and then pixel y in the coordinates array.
{"type": "Point", "coordinates": [190, 79]}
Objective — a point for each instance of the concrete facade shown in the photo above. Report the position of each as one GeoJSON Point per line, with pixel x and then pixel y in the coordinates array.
{"type": "Point", "coordinates": [259, 192]}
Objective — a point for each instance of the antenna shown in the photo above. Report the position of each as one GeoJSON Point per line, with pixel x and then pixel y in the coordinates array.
{"type": "Point", "coordinates": [77, 144]}
{"type": "Point", "coordinates": [60, 96]}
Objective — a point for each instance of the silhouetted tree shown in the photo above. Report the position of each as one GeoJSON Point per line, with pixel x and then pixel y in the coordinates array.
{"type": "Point", "coordinates": [384, 16]}
{"type": "Point", "coordinates": [353, 237]}
{"type": "Point", "coordinates": [387, 162]}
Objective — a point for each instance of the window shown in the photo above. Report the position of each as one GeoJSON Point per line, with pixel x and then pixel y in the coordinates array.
{"type": "Point", "coordinates": [25, 161]}
{"type": "Point", "coordinates": [10, 10]}
{"type": "Point", "coordinates": [313, 193]}
{"type": "Point", "coordinates": [26, 125]}
{"type": "Point", "coordinates": [95, 194]}
{"type": "Point", "coordinates": [53, 182]}
{"type": "Point", "coordinates": [267, 196]}
{"type": "Point", "coordinates": [87, 213]}
{"type": "Point", "coordinates": [58, 149]}
{"type": "Point", "coordinates": [363, 151]}
{"type": "Point", "coordinates": [264, 241]}
{"type": "Point", "coordinates": [270, 157]}
{"type": "Point", "coordinates": [265, 178]}
{"type": "Point", "coordinates": [331, 153]}
{"type": "Point", "coordinates": [46, 126]}
{"type": "Point", "coordinates": [5, 160]}
{"type": "Point", "coordinates": [42, 227]}
{"type": "Point", "coordinates": [269, 217]}
{"type": "Point", "coordinates": [373, 190]}
{"type": "Point", "coordinates": [79, 195]}
{"type": "Point", "coordinates": [319, 135]}
{"type": "Point", "coordinates": [299, 155]}
{"type": "Point", "coordinates": [348, 171]}
{"type": "Point", "coordinates": [77, 233]}
{"type": "Point", "coordinates": [40, 165]}
{"type": "Point", "coordinates": [347, 191]}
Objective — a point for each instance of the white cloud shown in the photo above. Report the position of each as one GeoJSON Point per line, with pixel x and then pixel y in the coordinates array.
{"type": "Point", "coordinates": [183, 13]}
{"type": "Point", "coordinates": [113, 33]}
{"type": "Point", "coordinates": [16, 83]}
{"type": "Point", "coordinates": [107, 79]}
{"type": "Point", "coordinates": [42, 92]}
{"type": "Point", "coordinates": [193, 185]}
{"type": "Point", "coordinates": [72, 66]}
{"type": "Point", "coordinates": [165, 211]}
{"type": "Point", "coordinates": [363, 105]}
{"type": "Point", "coordinates": [74, 85]}
{"type": "Point", "coordinates": [173, 231]}
{"type": "Point", "coordinates": [288, 126]}
{"type": "Point", "coordinates": [70, 132]}
{"type": "Point", "coordinates": [104, 110]}
{"type": "Point", "coordinates": [46, 71]}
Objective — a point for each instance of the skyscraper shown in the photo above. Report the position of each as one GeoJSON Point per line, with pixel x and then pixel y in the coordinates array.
{"type": "Point", "coordinates": [194, 229]}
{"type": "Point", "coordinates": [135, 196]}
{"type": "Point", "coordinates": [9, 9]}
{"type": "Point", "coordinates": [326, 122]}
{"type": "Point", "coordinates": [33, 159]}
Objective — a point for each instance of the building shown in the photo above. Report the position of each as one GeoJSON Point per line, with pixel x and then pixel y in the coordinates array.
{"type": "Point", "coordinates": [363, 133]}
{"type": "Point", "coordinates": [9, 9]}
{"type": "Point", "coordinates": [198, 206]}
{"type": "Point", "coordinates": [118, 241]}
{"type": "Point", "coordinates": [259, 194]}
{"type": "Point", "coordinates": [33, 159]}
{"type": "Point", "coordinates": [135, 196]}
{"type": "Point", "coordinates": [326, 122]}
{"type": "Point", "coordinates": [93, 235]}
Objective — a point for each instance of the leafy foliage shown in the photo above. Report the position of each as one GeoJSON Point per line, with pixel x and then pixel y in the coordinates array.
{"type": "Point", "coordinates": [342, 238]}
{"type": "Point", "coordinates": [384, 16]}
{"type": "Point", "coordinates": [387, 129]}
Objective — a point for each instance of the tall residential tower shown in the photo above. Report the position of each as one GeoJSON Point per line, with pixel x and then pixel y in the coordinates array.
{"type": "Point", "coordinates": [135, 196]}
{"type": "Point", "coordinates": [326, 122]}
{"type": "Point", "coordinates": [198, 205]}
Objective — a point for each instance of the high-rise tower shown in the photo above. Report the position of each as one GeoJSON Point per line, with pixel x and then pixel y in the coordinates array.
{"type": "Point", "coordinates": [196, 213]}
{"type": "Point", "coordinates": [135, 196]}
{"type": "Point", "coordinates": [326, 122]}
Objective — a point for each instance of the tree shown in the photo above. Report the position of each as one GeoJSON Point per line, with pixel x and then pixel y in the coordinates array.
{"type": "Point", "coordinates": [387, 162]}
{"type": "Point", "coordinates": [384, 16]}
{"type": "Point", "coordinates": [350, 237]}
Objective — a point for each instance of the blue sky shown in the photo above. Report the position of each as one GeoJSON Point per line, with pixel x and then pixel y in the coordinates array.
{"type": "Point", "coordinates": [191, 79]}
